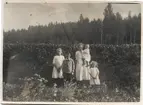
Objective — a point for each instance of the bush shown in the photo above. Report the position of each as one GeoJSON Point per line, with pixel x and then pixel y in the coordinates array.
{"type": "Point", "coordinates": [113, 54]}
{"type": "Point", "coordinates": [34, 89]}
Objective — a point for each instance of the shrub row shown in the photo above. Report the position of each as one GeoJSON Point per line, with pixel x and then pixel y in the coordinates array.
{"type": "Point", "coordinates": [122, 61]}
{"type": "Point", "coordinates": [101, 53]}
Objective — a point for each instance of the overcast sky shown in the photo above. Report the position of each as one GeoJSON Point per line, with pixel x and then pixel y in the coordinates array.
{"type": "Point", "coordinates": [22, 15]}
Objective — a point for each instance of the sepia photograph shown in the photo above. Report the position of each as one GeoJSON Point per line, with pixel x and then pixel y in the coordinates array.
{"type": "Point", "coordinates": [71, 52]}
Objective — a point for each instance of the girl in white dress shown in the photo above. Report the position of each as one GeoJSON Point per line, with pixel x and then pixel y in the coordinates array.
{"type": "Point", "coordinates": [94, 74]}
{"type": "Point", "coordinates": [57, 73]}
{"type": "Point", "coordinates": [79, 63]}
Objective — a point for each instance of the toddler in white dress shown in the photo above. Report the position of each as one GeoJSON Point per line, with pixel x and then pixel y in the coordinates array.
{"type": "Point", "coordinates": [86, 54]}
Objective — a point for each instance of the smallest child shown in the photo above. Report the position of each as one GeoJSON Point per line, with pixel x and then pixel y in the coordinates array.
{"type": "Point", "coordinates": [68, 67]}
{"type": "Point", "coordinates": [94, 74]}
{"type": "Point", "coordinates": [86, 54]}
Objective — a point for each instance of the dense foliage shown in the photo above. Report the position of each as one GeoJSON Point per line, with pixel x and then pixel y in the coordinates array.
{"type": "Point", "coordinates": [118, 64]}
{"type": "Point", "coordinates": [113, 29]}
{"type": "Point", "coordinates": [113, 54]}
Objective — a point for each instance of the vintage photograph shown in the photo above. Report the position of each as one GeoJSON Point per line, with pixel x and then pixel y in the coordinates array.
{"type": "Point", "coordinates": [71, 52]}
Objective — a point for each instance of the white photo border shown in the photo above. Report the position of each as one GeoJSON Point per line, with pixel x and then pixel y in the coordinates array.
{"type": "Point", "coordinates": [68, 1]}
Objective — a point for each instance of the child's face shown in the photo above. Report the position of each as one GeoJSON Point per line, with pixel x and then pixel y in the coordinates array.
{"type": "Point", "coordinates": [59, 52]}
{"type": "Point", "coordinates": [68, 55]}
{"type": "Point", "coordinates": [93, 65]}
{"type": "Point", "coordinates": [86, 46]}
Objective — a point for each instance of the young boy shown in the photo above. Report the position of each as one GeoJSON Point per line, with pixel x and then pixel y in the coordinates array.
{"type": "Point", "coordinates": [68, 67]}
{"type": "Point", "coordinates": [86, 54]}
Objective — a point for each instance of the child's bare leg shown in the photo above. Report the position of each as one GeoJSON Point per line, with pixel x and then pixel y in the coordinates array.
{"type": "Point", "coordinates": [87, 63]}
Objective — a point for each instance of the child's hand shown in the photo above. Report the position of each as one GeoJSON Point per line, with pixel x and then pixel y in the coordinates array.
{"type": "Point", "coordinates": [72, 73]}
{"type": "Point", "coordinates": [95, 77]}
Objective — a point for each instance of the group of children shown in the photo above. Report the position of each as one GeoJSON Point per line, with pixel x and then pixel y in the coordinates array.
{"type": "Point", "coordinates": [83, 69]}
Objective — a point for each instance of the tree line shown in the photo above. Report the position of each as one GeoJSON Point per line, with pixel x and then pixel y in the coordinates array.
{"type": "Point", "coordinates": [112, 29]}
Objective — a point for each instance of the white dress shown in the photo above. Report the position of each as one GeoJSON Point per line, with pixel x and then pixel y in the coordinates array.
{"type": "Point", "coordinates": [86, 55]}
{"type": "Point", "coordinates": [58, 61]}
{"type": "Point", "coordinates": [86, 75]}
{"type": "Point", "coordinates": [79, 67]}
{"type": "Point", "coordinates": [94, 73]}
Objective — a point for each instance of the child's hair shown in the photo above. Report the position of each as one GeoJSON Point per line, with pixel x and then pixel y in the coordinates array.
{"type": "Point", "coordinates": [59, 49]}
{"type": "Point", "coordinates": [94, 64]}
{"type": "Point", "coordinates": [86, 45]}
{"type": "Point", "coordinates": [67, 53]}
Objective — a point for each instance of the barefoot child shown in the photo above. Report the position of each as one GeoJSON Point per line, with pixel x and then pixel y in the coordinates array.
{"type": "Point", "coordinates": [68, 67]}
{"type": "Point", "coordinates": [57, 73]}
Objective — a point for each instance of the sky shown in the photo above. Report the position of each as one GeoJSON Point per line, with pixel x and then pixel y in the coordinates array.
{"type": "Point", "coordinates": [21, 15]}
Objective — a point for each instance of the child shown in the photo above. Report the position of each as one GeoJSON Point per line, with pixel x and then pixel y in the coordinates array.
{"type": "Point", "coordinates": [57, 73]}
{"type": "Point", "coordinates": [86, 54]}
{"type": "Point", "coordinates": [94, 74]}
{"type": "Point", "coordinates": [68, 67]}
